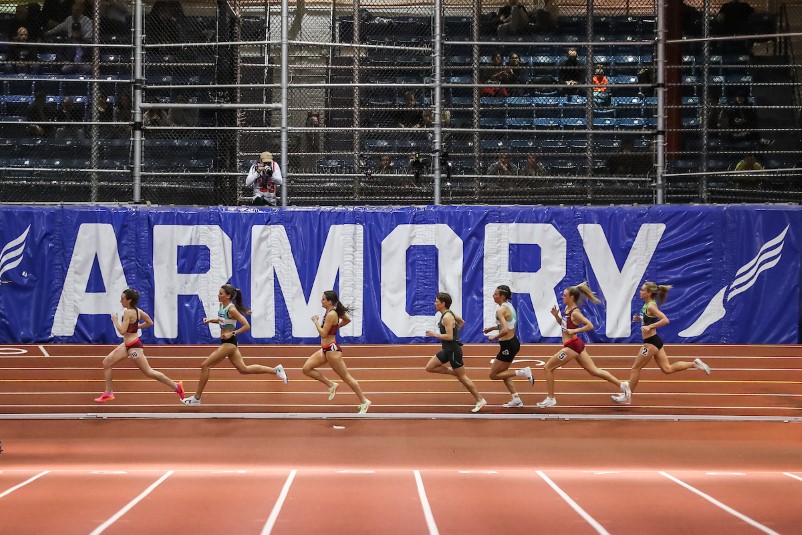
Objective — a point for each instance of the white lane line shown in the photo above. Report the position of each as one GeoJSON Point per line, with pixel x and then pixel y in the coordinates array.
{"type": "Point", "coordinates": [793, 476]}
{"type": "Point", "coordinates": [271, 520]}
{"type": "Point", "coordinates": [15, 487]}
{"type": "Point", "coordinates": [575, 506]}
{"type": "Point", "coordinates": [720, 505]}
{"type": "Point", "coordinates": [101, 528]}
{"type": "Point", "coordinates": [43, 350]}
{"type": "Point", "coordinates": [424, 501]}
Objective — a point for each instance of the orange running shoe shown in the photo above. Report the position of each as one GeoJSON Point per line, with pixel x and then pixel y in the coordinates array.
{"type": "Point", "coordinates": [104, 397]}
{"type": "Point", "coordinates": [179, 389]}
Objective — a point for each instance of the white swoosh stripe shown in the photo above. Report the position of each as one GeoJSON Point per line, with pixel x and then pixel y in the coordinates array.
{"type": "Point", "coordinates": [713, 312]}
{"type": "Point", "coordinates": [12, 255]}
{"type": "Point", "coordinates": [764, 267]}
{"type": "Point", "coordinates": [752, 273]}
{"type": "Point", "coordinates": [15, 242]}
{"type": "Point", "coordinates": [771, 243]}
{"type": "Point", "coordinates": [12, 265]}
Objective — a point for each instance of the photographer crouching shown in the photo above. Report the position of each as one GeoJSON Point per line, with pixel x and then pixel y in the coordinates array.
{"type": "Point", "coordinates": [264, 175]}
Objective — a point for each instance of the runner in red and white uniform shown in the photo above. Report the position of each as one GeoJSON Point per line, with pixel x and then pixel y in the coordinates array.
{"type": "Point", "coordinates": [330, 352]}
{"type": "Point", "coordinates": [128, 326]}
{"type": "Point", "coordinates": [574, 322]}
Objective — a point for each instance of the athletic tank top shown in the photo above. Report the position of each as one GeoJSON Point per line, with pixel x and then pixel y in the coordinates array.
{"type": "Point", "coordinates": [646, 318]}
{"type": "Point", "coordinates": [513, 321]}
{"type": "Point", "coordinates": [134, 327]}
{"type": "Point", "coordinates": [223, 319]}
{"type": "Point", "coordinates": [334, 327]}
{"type": "Point", "coordinates": [449, 343]}
{"type": "Point", "coordinates": [568, 323]}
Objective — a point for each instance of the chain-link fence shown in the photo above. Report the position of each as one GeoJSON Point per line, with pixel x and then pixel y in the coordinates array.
{"type": "Point", "coordinates": [517, 102]}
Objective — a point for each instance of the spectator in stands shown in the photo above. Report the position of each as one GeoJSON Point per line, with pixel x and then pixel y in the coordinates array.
{"type": "Point", "coordinates": [749, 163]}
{"type": "Point", "coordinates": [503, 166]}
{"type": "Point", "coordinates": [114, 16]}
{"type": "Point", "coordinates": [75, 58]}
{"type": "Point", "coordinates": [27, 16]}
{"type": "Point", "coordinates": [741, 120]}
{"type": "Point", "coordinates": [68, 113]}
{"type": "Point", "coordinates": [515, 74]}
{"type": "Point", "coordinates": [601, 93]}
{"type": "Point", "coordinates": [182, 116]}
{"type": "Point", "coordinates": [386, 165]}
{"type": "Point", "coordinates": [67, 26]}
{"type": "Point", "coordinates": [691, 20]}
{"type": "Point", "coordinates": [497, 73]}
{"type": "Point", "coordinates": [105, 108]}
{"type": "Point", "coordinates": [39, 113]}
{"type": "Point", "coordinates": [155, 117]}
{"type": "Point", "coordinates": [122, 113]}
{"type": "Point", "coordinates": [513, 19]}
{"type": "Point", "coordinates": [546, 14]}
{"type": "Point", "coordinates": [533, 166]}
{"type": "Point", "coordinates": [264, 176]}
{"type": "Point", "coordinates": [313, 120]}
{"type": "Point", "coordinates": [733, 18]}
{"type": "Point", "coordinates": [55, 11]}
{"type": "Point", "coordinates": [22, 58]}
{"type": "Point", "coordinates": [571, 71]}
{"type": "Point", "coordinates": [165, 23]}
{"type": "Point", "coordinates": [648, 77]}
{"type": "Point", "coordinates": [410, 115]}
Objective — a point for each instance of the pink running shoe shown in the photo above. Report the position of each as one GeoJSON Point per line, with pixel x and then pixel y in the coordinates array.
{"type": "Point", "coordinates": [179, 389]}
{"type": "Point", "coordinates": [104, 397]}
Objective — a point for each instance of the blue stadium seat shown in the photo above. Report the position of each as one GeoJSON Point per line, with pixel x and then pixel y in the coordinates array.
{"type": "Point", "coordinates": [492, 145]}
{"type": "Point", "coordinates": [520, 122]}
{"type": "Point", "coordinates": [523, 144]}
{"type": "Point", "coordinates": [547, 122]}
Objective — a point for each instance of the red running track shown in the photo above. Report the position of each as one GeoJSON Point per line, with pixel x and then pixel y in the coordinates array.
{"type": "Point", "coordinates": [399, 476]}
{"type": "Point", "coordinates": [747, 381]}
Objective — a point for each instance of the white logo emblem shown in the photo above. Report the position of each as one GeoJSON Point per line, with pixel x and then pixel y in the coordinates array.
{"type": "Point", "coordinates": [768, 257]}
{"type": "Point", "coordinates": [11, 255]}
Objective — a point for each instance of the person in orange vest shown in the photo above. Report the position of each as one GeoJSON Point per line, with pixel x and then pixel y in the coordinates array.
{"type": "Point", "coordinates": [601, 96]}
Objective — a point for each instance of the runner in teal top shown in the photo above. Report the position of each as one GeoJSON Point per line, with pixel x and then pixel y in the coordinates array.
{"type": "Point", "coordinates": [653, 318]}
{"type": "Point", "coordinates": [507, 321]}
{"type": "Point", "coordinates": [231, 311]}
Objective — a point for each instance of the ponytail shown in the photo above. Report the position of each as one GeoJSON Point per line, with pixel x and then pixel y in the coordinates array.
{"type": "Point", "coordinates": [658, 292]}
{"type": "Point", "coordinates": [582, 292]}
{"type": "Point", "coordinates": [339, 308]}
{"type": "Point", "coordinates": [236, 298]}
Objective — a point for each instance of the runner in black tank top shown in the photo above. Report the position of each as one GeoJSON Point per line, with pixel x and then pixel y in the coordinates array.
{"type": "Point", "coordinates": [653, 318]}
{"type": "Point", "coordinates": [449, 326]}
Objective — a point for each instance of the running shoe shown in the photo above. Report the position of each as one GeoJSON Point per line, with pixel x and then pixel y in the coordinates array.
{"type": "Point", "coordinates": [699, 365]}
{"type": "Point", "coordinates": [527, 372]}
{"type": "Point", "coordinates": [104, 397]}
{"type": "Point", "coordinates": [514, 403]}
{"type": "Point", "coordinates": [333, 390]}
{"type": "Point", "coordinates": [363, 407]}
{"type": "Point", "coordinates": [622, 399]}
{"type": "Point", "coordinates": [191, 400]}
{"type": "Point", "coordinates": [179, 389]}
{"type": "Point", "coordinates": [626, 391]}
{"type": "Point", "coordinates": [479, 404]}
{"type": "Point", "coordinates": [548, 402]}
{"type": "Point", "coordinates": [281, 374]}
